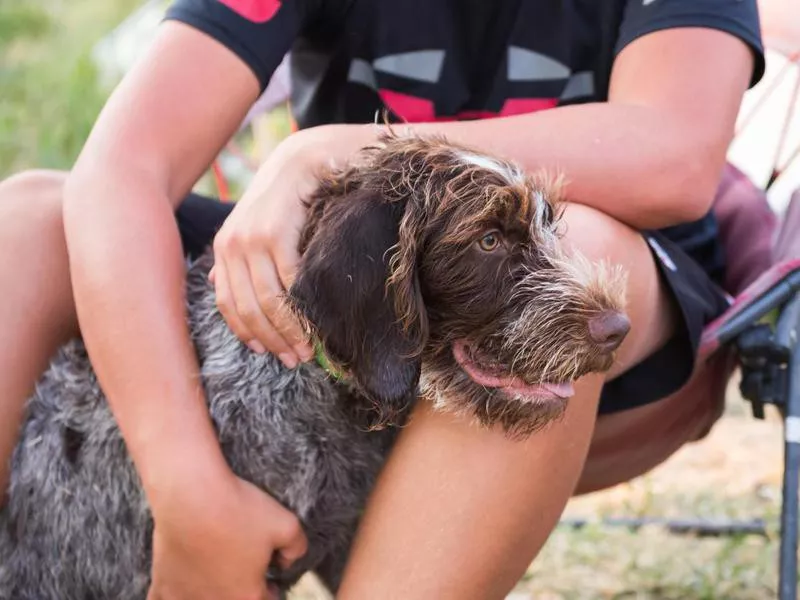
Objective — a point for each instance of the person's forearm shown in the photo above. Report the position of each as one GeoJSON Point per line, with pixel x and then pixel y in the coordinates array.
{"type": "Point", "coordinates": [128, 276]}
{"type": "Point", "coordinates": [640, 165]}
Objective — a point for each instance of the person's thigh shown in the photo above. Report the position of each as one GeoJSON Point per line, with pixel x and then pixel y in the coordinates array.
{"type": "Point", "coordinates": [650, 305]}
{"type": "Point", "coordinates": [459, 510]}
{"type": "Point", "coordinates": [664, 400]}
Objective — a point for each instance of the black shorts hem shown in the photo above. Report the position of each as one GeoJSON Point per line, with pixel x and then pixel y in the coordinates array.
{"type": "Point", "coordinates": [699, 300]}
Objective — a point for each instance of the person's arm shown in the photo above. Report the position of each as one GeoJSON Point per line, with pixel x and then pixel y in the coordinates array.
{"type": "Point", "coordinates": [652, 155]}
{"type": "Point", "coordinates": [158, 132]}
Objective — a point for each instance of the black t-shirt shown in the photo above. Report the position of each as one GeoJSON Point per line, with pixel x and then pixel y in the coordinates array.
{"type": "Point", "coordinates": [446, 60]}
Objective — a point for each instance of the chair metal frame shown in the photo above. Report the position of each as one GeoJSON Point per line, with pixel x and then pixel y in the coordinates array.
{"type": "Point", "coordinates": [769, 353]}
{"type": "Point", "coordinates": [769, 356]}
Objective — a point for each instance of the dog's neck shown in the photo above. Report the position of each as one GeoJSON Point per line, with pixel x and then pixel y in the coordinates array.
{"type": "Point", "coordinates": [326, 364]}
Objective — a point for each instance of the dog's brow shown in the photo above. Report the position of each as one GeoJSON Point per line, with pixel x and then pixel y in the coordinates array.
{"type": "Point", "coordinates": [510, 174]}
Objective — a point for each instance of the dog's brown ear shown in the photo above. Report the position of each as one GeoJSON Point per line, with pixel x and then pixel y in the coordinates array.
{"type": "Point", "coordinates": [341, 290]}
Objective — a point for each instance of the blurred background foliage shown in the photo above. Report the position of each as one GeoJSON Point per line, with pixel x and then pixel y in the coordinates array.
{"type": "Point", "coordinates": [59, 61]}
{"type": "Point", "coordinates": [50, 88]}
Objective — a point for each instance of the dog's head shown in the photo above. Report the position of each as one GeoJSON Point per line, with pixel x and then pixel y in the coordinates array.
{"type": "Point", "coordinates": [428, 263]}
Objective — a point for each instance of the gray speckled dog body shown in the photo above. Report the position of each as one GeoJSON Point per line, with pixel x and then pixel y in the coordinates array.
{"type": "Point", "coordinates": [428, 270]}
{"type": "Point", "coordinates": [77, 525]}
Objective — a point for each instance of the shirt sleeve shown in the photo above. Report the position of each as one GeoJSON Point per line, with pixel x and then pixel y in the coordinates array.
{"type": "Point", "coordinates": [737, 17]}
{"type": "Point", "coordinates": [260, 32]}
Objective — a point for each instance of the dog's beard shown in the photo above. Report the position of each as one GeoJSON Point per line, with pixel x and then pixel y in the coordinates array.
{"type": "Point", "coordinates": [448, 387]}
{"type": "Point", "coordinates": [521, 387]}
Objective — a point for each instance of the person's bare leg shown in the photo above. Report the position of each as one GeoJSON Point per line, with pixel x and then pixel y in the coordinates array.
{"type": "Point", "coordinates": [630, 443]}
{"type": "Point", "coordinates": [460, 511]}
{"type": "Point", "coordinates": [36, 307]}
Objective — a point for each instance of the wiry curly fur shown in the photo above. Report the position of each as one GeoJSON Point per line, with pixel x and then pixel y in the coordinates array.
{"type": "Point", "coordinates": [390, 279]}
{"type": "Point", "coordinates": [77, 523]}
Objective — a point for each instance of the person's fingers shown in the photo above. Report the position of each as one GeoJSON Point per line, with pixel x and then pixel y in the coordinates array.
{"type": "Point", "coordinates": [227, 305]}
{"type": "Point", "coordinates": [290, 541]}
{"type": "Point", "coordinates": [251, 314]}
{"type": "Point", "coordinates": [270, 296]}
{"type": "Point", "coordinates": [287, 260]}
{"type": "Point", "coordinates": [237, 302]}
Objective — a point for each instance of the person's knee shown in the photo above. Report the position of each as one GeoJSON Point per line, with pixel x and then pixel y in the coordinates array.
{"type": "Point", "coordinates": [33, 186]}
{"type": "Point", "coordinates": [32, 226]}
{"type": "Point", "coordinates": [599, 236]}
{"type": "Point", "coordinates": [653, 314]}
{"type": "Point", "coordinates": [32, 199]}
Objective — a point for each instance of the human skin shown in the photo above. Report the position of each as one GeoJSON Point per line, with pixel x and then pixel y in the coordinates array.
{"type": "Point", "coordinates": [649, 157]}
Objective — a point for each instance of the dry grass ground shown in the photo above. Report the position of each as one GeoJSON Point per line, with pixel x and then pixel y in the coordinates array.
{"type": "Point", "coordinates": [734, 473]}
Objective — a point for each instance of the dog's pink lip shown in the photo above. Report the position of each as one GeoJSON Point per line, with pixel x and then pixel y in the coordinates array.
{"type": "Point", "coordinates": [510, 383]}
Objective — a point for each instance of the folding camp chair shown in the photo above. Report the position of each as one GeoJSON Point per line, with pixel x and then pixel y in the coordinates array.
{"type": "Point", "coordinates": [760, 330]}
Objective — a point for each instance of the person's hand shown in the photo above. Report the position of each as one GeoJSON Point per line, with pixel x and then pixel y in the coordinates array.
{"type": "Point", "coordinates": [219, 547]}
{"type": "Point", "coordinates": [256, 249]}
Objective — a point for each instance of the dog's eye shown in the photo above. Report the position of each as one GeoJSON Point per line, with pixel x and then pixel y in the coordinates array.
{"type": "Point", "coordinates": [489, 242]}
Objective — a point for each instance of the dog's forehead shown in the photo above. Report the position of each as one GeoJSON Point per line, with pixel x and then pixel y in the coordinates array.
{"type": "Point", "coordinates": [534, 210]}
{"type": "Point", "coordinates": [511, 173]}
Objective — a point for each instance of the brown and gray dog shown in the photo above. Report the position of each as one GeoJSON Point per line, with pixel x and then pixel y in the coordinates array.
{"type": "Point", "coordinates": [428, 270]}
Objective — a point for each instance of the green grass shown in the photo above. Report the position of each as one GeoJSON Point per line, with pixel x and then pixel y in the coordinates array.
{"type": "Point", "coordinates": [51, 95]}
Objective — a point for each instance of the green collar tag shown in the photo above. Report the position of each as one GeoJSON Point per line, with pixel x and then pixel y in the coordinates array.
{"type": "Point", "coordinates": [323, 362]}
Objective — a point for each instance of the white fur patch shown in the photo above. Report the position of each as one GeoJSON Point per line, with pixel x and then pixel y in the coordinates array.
{"type": "Point", "coordinates": [510, 174]}
{"type": "Point", "coordinates": [541, 209]}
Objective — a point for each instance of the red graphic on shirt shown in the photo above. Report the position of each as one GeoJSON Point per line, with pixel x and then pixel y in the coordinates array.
{"type": "Point", "coordinates": [258, 11]}
{"type": "Point", "coordinates": [415, 110]}
{"type": "Point", "coordinates": [409, 108]}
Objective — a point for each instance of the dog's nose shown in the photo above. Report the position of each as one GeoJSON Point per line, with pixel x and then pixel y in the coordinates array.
{"type": "Point", "coordinates": [608, 329]}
